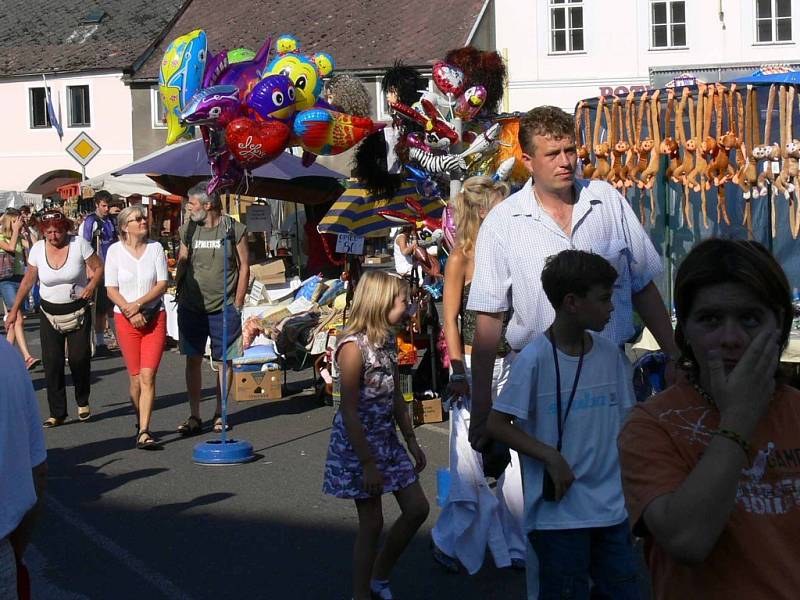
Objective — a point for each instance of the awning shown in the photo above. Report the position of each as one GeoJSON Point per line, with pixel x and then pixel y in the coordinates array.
{"type": "Point", "coordinates": [50, 187]}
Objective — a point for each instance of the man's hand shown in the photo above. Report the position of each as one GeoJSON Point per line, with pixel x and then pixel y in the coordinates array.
{"type": "Point", "coordinates": [560, 472]}
{"type": "Point", "coordinates": [11, 318]}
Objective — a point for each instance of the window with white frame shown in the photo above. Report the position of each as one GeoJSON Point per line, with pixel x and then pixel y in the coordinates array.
{"type": "Point", "coordinates": [37, 101]}
{"type": "Point", "coordinates": [157, 109]}
{"type": "Point", "coordinates": [566, 25]}
{"type": "Point", "coordinates": [773, 21]}
{"type": "Point", "coordinates": [78, 106]}
{"type": "Point", "coordinates": [668, 23]}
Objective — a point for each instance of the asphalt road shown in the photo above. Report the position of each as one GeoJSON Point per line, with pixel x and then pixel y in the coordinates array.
{"type": "Point", "coordinates": [124, 523]}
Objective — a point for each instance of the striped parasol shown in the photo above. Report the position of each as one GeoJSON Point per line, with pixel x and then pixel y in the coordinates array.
{"type": "Point", "coordinates": [356, 210]}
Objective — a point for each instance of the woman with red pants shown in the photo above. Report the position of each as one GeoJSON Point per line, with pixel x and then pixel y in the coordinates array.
{"type": "Point", "coordinates": [136, 279]}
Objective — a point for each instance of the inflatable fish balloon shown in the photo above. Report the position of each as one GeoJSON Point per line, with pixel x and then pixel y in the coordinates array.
{"type": "Point", "coordinates": [215, 106]}
{"type": "Point", "coordinates": [325, 132]}
{"type": "Point", "coordinates": [180, 78]}
{"type": "Point", "coordinates": [273, 98]}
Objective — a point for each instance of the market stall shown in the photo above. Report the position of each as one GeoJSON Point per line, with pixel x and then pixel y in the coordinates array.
{"type": "Point", "coordinates": [702, 160]}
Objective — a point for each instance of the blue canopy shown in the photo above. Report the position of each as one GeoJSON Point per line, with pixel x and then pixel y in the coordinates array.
{"type": "Point", "coordinates": [761, 78]}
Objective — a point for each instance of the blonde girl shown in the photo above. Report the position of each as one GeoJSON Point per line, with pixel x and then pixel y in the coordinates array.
{"type": "Point", "coordinates": [365, 457]}
{"type": "Point", "coordinates": [13, 247]}
{"type": "Point", "coordinates": [464, 529]}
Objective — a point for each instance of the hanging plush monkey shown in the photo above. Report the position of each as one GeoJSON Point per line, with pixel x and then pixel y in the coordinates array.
{"type": "Point", "coordinates": [766, 151]}
{"type": "Point", "coordinates": [601, 150]}
{"type": "Point", "coordinates": [584, 153]}
{"type": "Point", "coordinates": [679, 174]}
{"type": "Point", "coordinates": [669, 147]}
{"type": "Point", "coordinates": [649, 174]}
{"type": "Point", "coordinates": [700, 163]}
{"type": "Point", "coordinates": [641, 147]}
{"type": "Point", "coordinates": [619, 147]}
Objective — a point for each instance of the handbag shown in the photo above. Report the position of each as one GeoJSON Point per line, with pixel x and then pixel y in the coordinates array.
{"type": "Point", "coordinates": [6, 265]}
{"type": "Point", "coordinates": [66, 323]}
{"type": "Point", "coordinates": [150, 313]}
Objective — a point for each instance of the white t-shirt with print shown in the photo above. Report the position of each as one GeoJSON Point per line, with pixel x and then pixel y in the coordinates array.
{"type": "Point", "coordinates": [602, 399]}
{"type": "Point", "coordinates": [135, 277]}
{"type": "Point", "coordinates": [22, 445]}
{"type": "Point", "coordinates": [62, 285]}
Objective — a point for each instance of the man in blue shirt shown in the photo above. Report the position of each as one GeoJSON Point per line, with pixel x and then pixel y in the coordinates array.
{"type": "Point", "coordinates": [101, 231]}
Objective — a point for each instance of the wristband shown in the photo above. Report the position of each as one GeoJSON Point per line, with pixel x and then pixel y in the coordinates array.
{"type": "Point", "coordinates": [737, 439]}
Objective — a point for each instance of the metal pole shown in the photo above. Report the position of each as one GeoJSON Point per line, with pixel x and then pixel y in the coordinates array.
{"type": "Point", "coordinates": [297, 240]}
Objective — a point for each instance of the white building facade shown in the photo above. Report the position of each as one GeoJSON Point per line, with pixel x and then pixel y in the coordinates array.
{"type": "Point", "coordinates": [98, 104]}
{"type": "Point", "coordinates": [561, 51]}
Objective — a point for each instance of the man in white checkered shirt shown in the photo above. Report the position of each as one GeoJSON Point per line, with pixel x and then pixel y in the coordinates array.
{"type": "Point", "coordinates": [558, 213]}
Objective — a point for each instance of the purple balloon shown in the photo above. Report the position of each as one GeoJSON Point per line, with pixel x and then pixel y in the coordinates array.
{"type": "Point", "coordinates": [246, 74]}
{"type": "Point", "coordinates": [273, 98]}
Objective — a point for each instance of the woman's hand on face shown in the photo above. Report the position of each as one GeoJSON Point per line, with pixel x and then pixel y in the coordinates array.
{"type": "Point", "coordinates": [16, 224]}
{"type": "Point", "coordinates": [744, 394]}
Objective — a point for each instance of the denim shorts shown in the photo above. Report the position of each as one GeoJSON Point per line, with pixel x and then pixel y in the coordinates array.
{"type": "Point", "coordinates": [8, 290]}
{"type": "Point", "coordinates": [195, 328]}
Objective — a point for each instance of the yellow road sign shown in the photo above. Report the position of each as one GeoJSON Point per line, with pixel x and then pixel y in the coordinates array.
{"type": "Point", "coordinates": [83, 149]}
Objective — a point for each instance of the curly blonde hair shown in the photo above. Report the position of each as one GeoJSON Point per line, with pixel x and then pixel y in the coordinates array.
{"type": "Point", "coordinates": [478, 195]}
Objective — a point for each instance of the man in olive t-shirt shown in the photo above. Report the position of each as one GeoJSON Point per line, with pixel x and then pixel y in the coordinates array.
{"type": "Point", "coordinates": [203, 302]}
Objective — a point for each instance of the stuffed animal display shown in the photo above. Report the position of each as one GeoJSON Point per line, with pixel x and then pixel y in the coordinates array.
{"type": "Point", "coordinates": [711, 135]}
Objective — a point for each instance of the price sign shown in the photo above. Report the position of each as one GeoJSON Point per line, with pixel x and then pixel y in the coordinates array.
{"type": "Point", "coordinates": [259, 218]}
{"type": "Point", "coordinates": [347, 243]}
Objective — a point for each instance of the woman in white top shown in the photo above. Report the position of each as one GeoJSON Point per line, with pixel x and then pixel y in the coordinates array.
{"type": "Point", "coordinates": [59, 263]}
{"type": "Point", "coordinates": [136, 279]}
{"type": "Point", "coordinates": [404, 246]}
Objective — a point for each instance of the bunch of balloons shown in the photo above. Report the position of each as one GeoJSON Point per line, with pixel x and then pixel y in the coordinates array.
{"type": "Point", "coordinates": [249, 108]}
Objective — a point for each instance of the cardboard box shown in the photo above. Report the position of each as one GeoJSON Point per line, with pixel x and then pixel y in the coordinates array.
{"type": "Point", "coordinates": [269, 273]}
{"type": "Point", "coordinates": [378, 259]}
{"type": "Point", "coordinates": [257, 385]}
{"type": "Point", "coordinates": [428, 411]}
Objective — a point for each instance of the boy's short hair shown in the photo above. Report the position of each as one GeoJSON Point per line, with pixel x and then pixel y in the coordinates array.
{"type": "Point", "coordinates": [575, 272]}
{"type": "Point", "coordinates": [103, 196]}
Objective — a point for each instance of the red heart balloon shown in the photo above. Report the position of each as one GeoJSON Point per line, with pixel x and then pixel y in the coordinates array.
{"type": "Point", "coordinates": [254, 144]}
{"type": "Point", "coordinates": [448, 78]}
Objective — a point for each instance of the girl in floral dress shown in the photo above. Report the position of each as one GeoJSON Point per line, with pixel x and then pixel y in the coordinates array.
{"type": "Point", "coordinates": [365, 457]}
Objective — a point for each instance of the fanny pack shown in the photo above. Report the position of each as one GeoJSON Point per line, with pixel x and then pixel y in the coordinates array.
{"type": "Point", "coordinates": [66, 323]}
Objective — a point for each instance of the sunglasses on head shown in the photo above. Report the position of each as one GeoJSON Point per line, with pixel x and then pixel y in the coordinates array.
{"type": "Point", "coordinates": [52, 216]}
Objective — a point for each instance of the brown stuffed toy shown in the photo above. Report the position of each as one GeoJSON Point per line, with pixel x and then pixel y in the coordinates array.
{"type": "Point", "coordinates": [601, 150]}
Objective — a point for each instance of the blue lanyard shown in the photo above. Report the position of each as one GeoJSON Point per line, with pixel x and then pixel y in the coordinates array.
{"type": "Point", "coordinates": [562, 423]}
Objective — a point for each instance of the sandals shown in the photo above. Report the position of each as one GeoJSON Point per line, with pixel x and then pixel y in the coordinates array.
{"type": "Point", "coordinates": [218, 424]}
{"type": "Point", "coordinates": [53, 422]}
{"type": "Point", "coordinates": [31, 363]}
{"type": "Point", "coordinates": [84, 413]}
{"type": "Point", "coordinates": [191, 426]}
{"type": "Point", "coordinates": [145, 441]}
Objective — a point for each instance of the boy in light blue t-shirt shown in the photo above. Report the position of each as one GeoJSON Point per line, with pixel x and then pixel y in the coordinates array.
{"type": "Point", "coordinates": [567, 395]}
